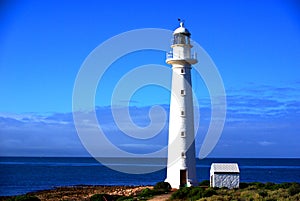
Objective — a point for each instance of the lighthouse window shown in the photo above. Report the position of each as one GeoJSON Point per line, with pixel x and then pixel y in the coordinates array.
{"type": "Point", "coordinates": [182, 134]}
{"type": "Point", "coordinates": [182, 92]}
{"type": "Point", "coordinates": [182, 71]}
{"type": "Point", "coordinates": [182, 113]}
{"type": "Point", "coordinates": [182, 154]}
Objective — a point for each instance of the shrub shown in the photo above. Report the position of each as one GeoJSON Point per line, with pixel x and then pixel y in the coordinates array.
{"type": "Point", "coordinates": [146, 193]}
{"type": "Point", "coordinates": [272, 186]}
{"type": "Point", "coordinates": [204, 183]}
{"type": "Point", "coordinates": [285, 185]}
{"type": "Point", "coordinates": [258, 184]}
{"type": "Point", "coordinates": [181, 193]}
{"type": "Point", "coordinates": [263, 193]}
{"type": "Point", "coordinates": [126, 198]}
{"type": "Point", "coordinates": [195, 191]}
{"type": "Point", "coordinates": [271, 199]}
{"type": "Point", "coordinates": [102, 197]}
{"type": "Point", "coordinates": [243, 185]}
{"type": "Point", "coordinates": [294, 189]}
{"type": "Point", "coordinates": [162, 187]}
{"type": "Point", "coordinates": [209, 192]}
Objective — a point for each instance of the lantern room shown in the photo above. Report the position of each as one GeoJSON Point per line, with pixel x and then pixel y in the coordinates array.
{"type": "Point", "coordinates": [181, 36]}
{"type": "Point", "coordinates": [181, 47]}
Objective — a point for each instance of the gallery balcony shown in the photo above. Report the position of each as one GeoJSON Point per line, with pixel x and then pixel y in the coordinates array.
{"type": "Point", "coordinates": [173, 58]}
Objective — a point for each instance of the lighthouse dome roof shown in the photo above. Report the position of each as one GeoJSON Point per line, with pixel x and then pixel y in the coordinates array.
{"type": "Point", "coordinates": [182, 30]}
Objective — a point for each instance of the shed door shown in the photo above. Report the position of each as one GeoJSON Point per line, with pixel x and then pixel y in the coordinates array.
{"type": "Point", "coordinates": [183, 178]}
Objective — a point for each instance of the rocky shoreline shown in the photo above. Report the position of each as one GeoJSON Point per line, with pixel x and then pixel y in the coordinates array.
{"type": "Point", "coordinates": [82, 193]}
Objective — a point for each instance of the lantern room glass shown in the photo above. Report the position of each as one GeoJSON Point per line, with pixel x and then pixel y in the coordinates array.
{"type": "Point", "coordinates": [181, 39]}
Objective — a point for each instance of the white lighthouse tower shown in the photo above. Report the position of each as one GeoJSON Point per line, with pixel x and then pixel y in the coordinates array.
{"type": "Point", "coordinates": [181, 169]}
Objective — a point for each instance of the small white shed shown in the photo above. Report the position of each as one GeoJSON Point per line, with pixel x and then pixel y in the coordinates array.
{"type": "Point", "coordinates": [224, 175]}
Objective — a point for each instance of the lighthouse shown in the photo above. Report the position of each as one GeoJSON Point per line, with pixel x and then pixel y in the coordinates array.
{"type": "Point", "coordinates": [181, 168]}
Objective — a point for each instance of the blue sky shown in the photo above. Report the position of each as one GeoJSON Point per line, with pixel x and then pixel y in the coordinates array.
{"type": "Point", "coordinates": [254, 44]}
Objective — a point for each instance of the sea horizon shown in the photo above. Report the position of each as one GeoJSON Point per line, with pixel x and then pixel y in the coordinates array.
{"type": "Point", "coordinates": [19, 175]}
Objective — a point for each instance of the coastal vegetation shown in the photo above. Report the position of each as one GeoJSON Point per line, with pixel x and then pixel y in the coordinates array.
{"type": "Point", "coordinates": [246, 192]}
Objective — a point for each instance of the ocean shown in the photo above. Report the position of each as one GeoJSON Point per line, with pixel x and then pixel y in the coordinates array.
{"type": "Point", "coordinates": [19, 175]}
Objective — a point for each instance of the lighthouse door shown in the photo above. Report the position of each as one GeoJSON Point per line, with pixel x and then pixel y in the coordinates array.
{"type": "Point", "coordinates": [183, 178]}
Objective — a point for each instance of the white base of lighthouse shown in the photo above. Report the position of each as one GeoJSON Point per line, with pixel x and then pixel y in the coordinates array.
{"type": "Point", "coordinates": [179, 176]}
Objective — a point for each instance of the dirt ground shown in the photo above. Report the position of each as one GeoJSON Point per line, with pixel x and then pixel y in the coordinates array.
{"type": "Point", "coordinates": [161, 197]}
